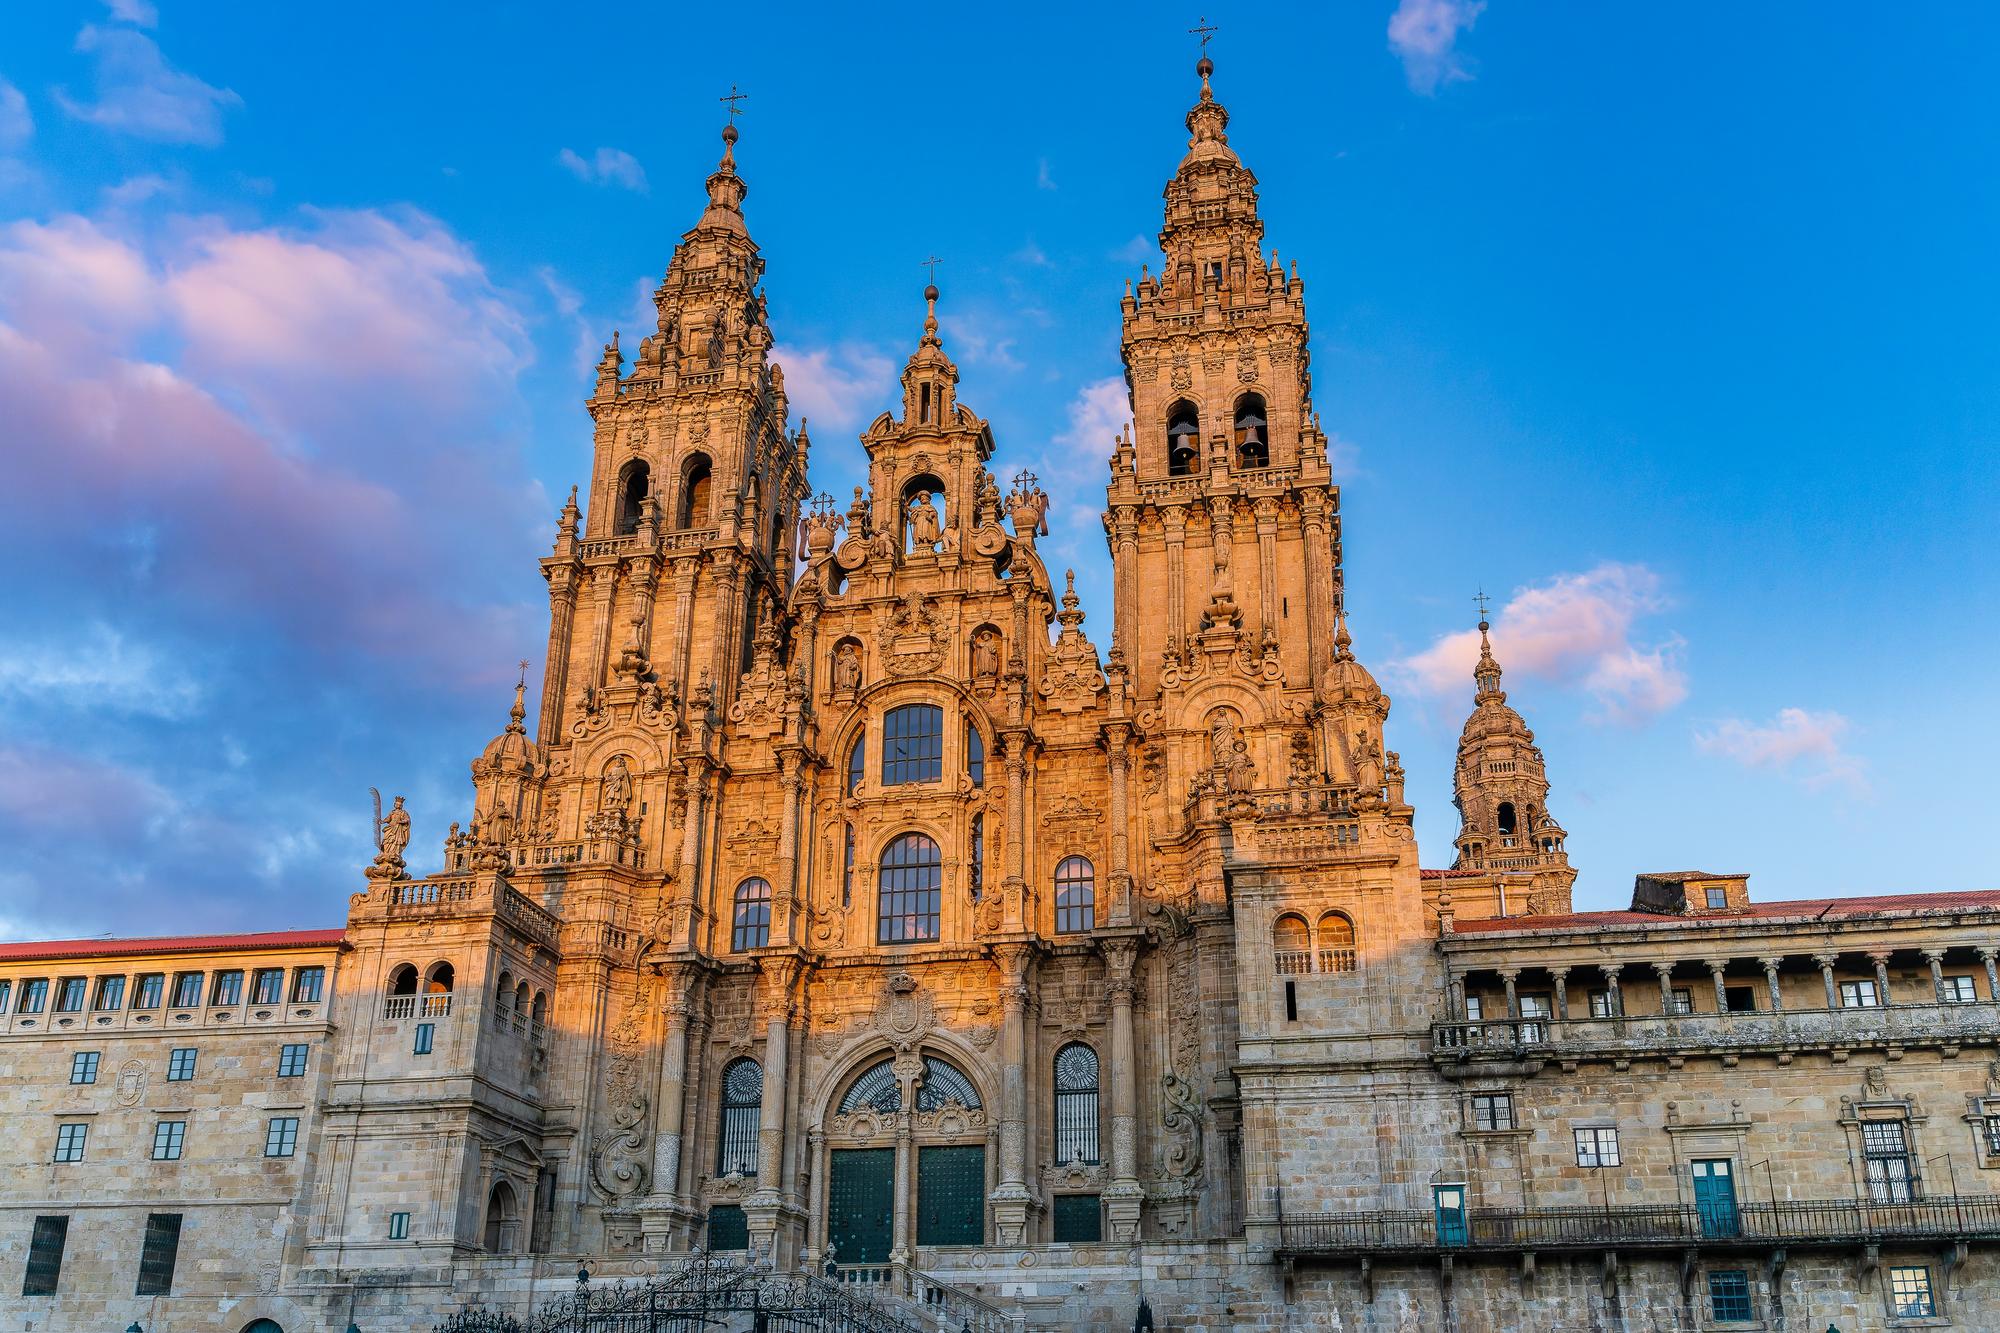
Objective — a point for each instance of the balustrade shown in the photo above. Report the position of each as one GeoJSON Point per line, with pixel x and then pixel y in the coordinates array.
{"type": "Point", "coordinates": [1898, 1025]}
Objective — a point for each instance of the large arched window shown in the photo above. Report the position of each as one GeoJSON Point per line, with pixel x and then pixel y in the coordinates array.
{"type": "Point", "coordinates": [403, 980]}
{"type": "Point", "coordinates": [1505, 817]}
{"type": "Point", "coordinates": [1291, 940]}
{"type": "Point", "coordinates": [1336, 943]}
{"type": "Point", "coordinates": [503, 1000]}
{"type": "Point", "coordinates": [1076, 1104]}
{"type": "Point", "coordinates": [943, 1083]}
{"type": "Point", "coordinates": [913, 744]}
{"type": "Point", "coordinates": [1253, 435]}
{"type": "Point", "coordinates": [1076, 895]}
{"type": "Point", "coordinates": [742, 1117]}
{"type": "Point", "coordinates": [874, 1089]}
{"type": "Point", "coordinates": [1183, 440]}
{"type": "Point", "coordinates": [694, 494]}
{"type": "Point", "coordinates": [857, 762]}
{"type": "Point", "coordinates": [438, 980]}
{"type": "Point", "coordinates": [912, 880]}
{"type": "Point", "coordinates": [634, 484]}
{"type": "Point", "coordinates": [752, 928]}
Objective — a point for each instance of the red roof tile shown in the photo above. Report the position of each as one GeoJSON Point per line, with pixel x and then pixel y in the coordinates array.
{"type": "Point", "coordinates": [269, 939]}
{"type": "Point", "coordinates": [1892, 904]}
{"type": "Point", "coordinates": [1451, 874]}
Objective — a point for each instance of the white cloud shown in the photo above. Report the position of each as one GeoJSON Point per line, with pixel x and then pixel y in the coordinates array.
{"type": "Point", "coordinates": [842, 387]}
{"type": "Point", "coordinates": [1796, 742]}
{"type": "Point", "coordinates": [1424, 33]}
{"type": "Point", "coordinates": [99, 671]}
{"type": "Point", "coordinates": [1137, 250]}
{"type": "Point", "coordinates": [1575, 629]}
{"type": "Point", "coordinates": [607, 166]}
{"type": "Point", "coordinates": [140, 13]}
{"type": "Point", "coordinates": [17, 124]}
{"type": "Point", "coordinates": [969, 340]}
{"type": "Point", "coordinates": [1043, 181]}
{"type": "Point", "coordinates": [569, 308]}
{"type": "Point", "coordinates": [139, 93]}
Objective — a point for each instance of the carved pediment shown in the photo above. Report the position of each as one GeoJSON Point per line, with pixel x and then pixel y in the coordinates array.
{"type": "Point", "coordinates": [913, 638]}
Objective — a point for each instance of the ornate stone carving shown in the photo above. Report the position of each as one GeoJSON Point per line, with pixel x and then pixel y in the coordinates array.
{"type": "Point", "coordinates": [913, 639]}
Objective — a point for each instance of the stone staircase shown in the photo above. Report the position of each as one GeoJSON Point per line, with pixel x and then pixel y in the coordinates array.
{"type": "Point", "coordinates": [926, 1300]}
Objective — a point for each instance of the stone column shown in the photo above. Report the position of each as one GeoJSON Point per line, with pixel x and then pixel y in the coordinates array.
{"type": "Point", "coordinates": [694, 789]}
{"type": "Point", "coordinates": [761, 1210]}
{"type": "Point", "coordinates": [1559, 976]}
{"type": "Point", "coordinates": [1936, 959]}
{"type": "Point", "coordinates": [1016, 889]}
{"type": "Point", "coordinates": [1011, 1196]}
{"type": "Point", "coordinates": [902, 1246]}
{"type": "Point", "coordinates": [1991, 957]}
{"type": "Point", "coordinates": [1826, 962]}
{"type": "Point", "coordinates": [816, 1155]}
{"type": "Point", "coordinates": [1507, 979]}
{"type": "Point", "coordinates": [1174, 520]}
{"type": "Point", "coordinates": [1125, 1198]}
{"type": "Point", "coordinates": [1125, 527]}
{"type": "Point", "coordinates": [1116, 737]}
{"type": "Point", "coordinates": [1771, 966]}
{"type": "Point", "coordinates": [1665, 972]}
{"type": "Point", "coordinates": [673, 1076]}
{"type": "Point", "coordinates": [1313, 516]}
{"type": "Point", "coordinates": [1615, 994]}
{"type": "Point", "coordinates": [787, 928]}
{"type": "Point", "coordinates": [686, 576]}
{"type": "Point", "coordinates": [555, 674]}
{"type": "Point", "coordinates": [1881, 961]}
{"type": "Point", "coordinates": [1715, 970]}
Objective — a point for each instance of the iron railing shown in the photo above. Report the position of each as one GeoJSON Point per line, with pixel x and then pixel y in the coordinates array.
{"type": "Point", "coordinates": [1790, 1222]}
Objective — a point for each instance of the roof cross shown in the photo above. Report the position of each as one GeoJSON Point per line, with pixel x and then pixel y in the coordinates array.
{"type": "Point", "coordinates": [931, 264]}
{"type": "Point", "coordinates": [733, 98]}
{"type": "Point", "coordinates": [1481, 599]}
{"type": "Point", "coordinates": [1204, 30]}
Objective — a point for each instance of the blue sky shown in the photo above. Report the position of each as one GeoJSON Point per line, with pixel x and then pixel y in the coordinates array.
{"type": "Point", "coordinates": [1670, 326]}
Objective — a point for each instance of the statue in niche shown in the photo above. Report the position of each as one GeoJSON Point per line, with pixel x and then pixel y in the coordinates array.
{"type": "Point", "coordinates": [617, 792]}
{"type": "Point", "coordinates": [1223, 740]}
{"type": "Point", "coordinates": [925, 531]}
{"type": "Point", "coordinates": [986, 656]}
{"type": "Point", "coordinates": [846, 669]}
{"type": "Point", "coordinates": [1242, 773]}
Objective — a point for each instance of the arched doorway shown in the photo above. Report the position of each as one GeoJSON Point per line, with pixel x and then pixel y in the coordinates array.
{"type": "Point", "coordinates": [263, 1326]}
{"type": "Point", "coordinates": [503, 1219]}
{"type": "Point", "coordinates": [906, 1168]}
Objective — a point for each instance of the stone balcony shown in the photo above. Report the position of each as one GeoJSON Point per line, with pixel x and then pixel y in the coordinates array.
{"type": "Point", "coordinates": [1475, 1048]}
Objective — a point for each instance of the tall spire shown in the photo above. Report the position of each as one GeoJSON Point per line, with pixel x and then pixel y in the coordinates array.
{"type": "Point", "coordinates": [1487, 673]}
{"type": "Point", "coordinates": [726, 191]}
{"type": "Point", "coordinates": [1207, 122]}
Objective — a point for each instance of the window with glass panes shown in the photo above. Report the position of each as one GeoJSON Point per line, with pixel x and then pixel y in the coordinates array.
{"type": "Point", "coordinates": [911, 891]}
{"type": "Point", "coordinates": [399, 1226]}
{"type": "Point", "coordinates": [1910, 1293]}
{"type": "Point", "coordinates": [110, 994]}
{"type": "Point", "coordinates": [742, 1115]}
{"type": "Point", "coordinates": [426, 1039]}
{"type": "Point", "coordinates": [857, 762]}
{"type": "Point", "coordinates": [1858, 995]}
{"type": "Point", "coordinates": [291, 1059]}
{"type": "Point", "coordinates": [1957, 990]}
{"type": "Point", "coordinates": [751, 927]}
{"type": "Point", "coordinates": [1076, 1104]}
{"type": "Point", "coordinates": [1076, 895]}
{"type": "Point", "coordinates": [168, 1135]}
{"type": "Point", "coordinates": [1597, 1147]}
{"type": "Point", "coordinates": [1681, 1001]}
{"type": "Point", "coordinates": [45, 1256]}
{"type": "Point", "coordinates": [157, 1257]}
{"type": "Point", "coordinates": [180, 1064]}
{"type": "Point", "coordinates": [70, 995]}
{"type": "Point", "coordinates": [1493, 1110]}
{"type": "Point", "coordinates": [228, 988]}
{"type": "Point", "coordinates": [1885, 1152]}
{"type": "Point", "coordinates": [307, 984]}
{"type": "Point", "coordinates": [1729, 1295]}
{"type": "Point", "coordinates": [34, 995]}
{"type": "Point", "coordinates": [975, 755]}
{"type": "Point", "coordinates": [70, 1140]}
{"type": "Point", "coordinates": [913, 744]}
{"type": "Point", "coordinates": [281, 1136]}
{"type": "Point", "coordinates": [1475, 1008]}
{"type": "Point", "coordinates": [6, 993]}
{"type": "Point", "coordinates": [150, 990]}
{"type": "Point", "coordinates": [269, 986]}
{"type": "Point", "coordinates": [83, 1067]}
{"type": "Point", "coordinates": [187, 990]}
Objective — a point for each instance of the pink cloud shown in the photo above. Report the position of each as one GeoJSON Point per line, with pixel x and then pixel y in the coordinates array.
{"type": "Point", "coordinates": [1424, 34]}
{"type": "Point", "coordinates": [1804, 744]}
{"type": "Point", "coordinates": [1575, 630]}
{"type": "Point", "coordinates": [73, 283]}
{"type": "Point", "coordinates": [841, 387]}
{"type": "Point", "coordinates": [87, 798]}
{"type": "Point", "coordinates": [140, 93]}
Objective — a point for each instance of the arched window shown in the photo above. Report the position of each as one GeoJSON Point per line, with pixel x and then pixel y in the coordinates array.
{"type": "Point", "coordinates": [694, 494]}
{"type": "Point", "coordinates": [501, 1218]}
{"type": "Point", "coordinates": [912, 879]}
{"type": "Point", "coordinates": [1183, 440]}
{"type": "Point", "coordinates": [438, 980]}
{"type": "Point", "coordinates": [742, 1114]}
{"type": "Point", "coordinates": [1292, 942]}
{"type": "Point", "coordinates": [503, 999]}
{"type": "Point", "coordinates": [874, 1089]}
{"type": "Point", "coordinates": [945, 1082]}
{"type": "Point", "coordinates": [975, 754]}
{"type": "Point", "coordinates": [521, 998]}
{"type": "Point", "coordinates": [1076, 895]}
{"type": "Point", "coordinates": [540, 1011]}
{"type": "Point", "coordinates": [752, 929]}
{"type": "Point", "coordinates": [634, 484]}
{"type": "Point", "coordinates": [1253, 436]}
{"type": "Point", "coordinates": [1076, 1104]}
{"type": "Point", "coordinates": [1506, 818]}
{"type": "Point", "coordinates": [913, 744]}
{"type": "Point", "coordinates": [403, 980]}
{"type": "Point", "coordinates": [1336, 943]}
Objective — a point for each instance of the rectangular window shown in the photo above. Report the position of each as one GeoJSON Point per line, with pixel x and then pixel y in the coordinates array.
{"type": "Point", "coordinates": [180, 1064]}
{"type": "Point", "coordinates": [1957, 990]}
{"type": "Point", "coordinates": [426, 1033]}
{"type": "Point", "coordinates": [156, 1260]}
{"type": "Point", "coordinates": [1885, 1151]}
{"type": "Point", "coordinates": [1600, 1004]}
{"type": "Point", "coordinates": [168, 1135]}
{"type": "Point", "coordinates": [1534, 1007]}
{"type": "Point", "coordinates": [399, 1226]}
{"type": "Point", "coordinates": [228, 988]}
{"type": "Point", "coordinates": [913, 744]}
{"type": "Point", "coordinates": [1910, 1293]}
{"type": "Point", "coordinates": [1597, 1147]}
{"type": "Point", "coordinates": [149, 991]}
{"type": "Point", "coordinates": [1475, 1009]}
{"type": "Point", "coordinates": [1079, 1220]}
{"type": "Point", "coordinates": [1729, 1294]}
{"type": "Point", "coordinates": [187, 990]}
{"type": "Point", "coordinates": [1682, 1001]}
{"type": "Point", "coordinates": [1717, 899]}
{"type": "Point", "coordinates": [45, 1256]}
{"type": "Point", "coordinates": [281, 1136]}
{"type": "Point", "coordinates": [83, 1067]}
{"type": "Point", "coordinates": [34, 998]}
{"type": "Point", "coordinates": [70, 994]}
{"type": "Point", "coordinates": [6, 993]}
{"type": "Point", "coordinates": [291, 1060]}
{"type": "Point", "coordinates": [70, 1139]}
{"type": "Point", "coordinates": [1859, 995]}
{"type": "Point", "coordinates": [307, 984]}
{"type": "Point", "coordinates": [1739, 999]}
{"type": "Point", "coordinates": [1493, 1110]}
{"type": "Point", "coordinates": [110, 993]}
{"type": "Point", "coordinates": [269, 986]}
{"type": "Point", "coordinates": [1993, 1135]}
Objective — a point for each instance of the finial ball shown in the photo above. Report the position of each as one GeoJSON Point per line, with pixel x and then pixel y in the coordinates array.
{"type": "Point", "coordinates": [729, 134]}
{"type": "Point", "coordinates": [1205, 67]}
{"type": "Point", "coordinates": [931, 292]}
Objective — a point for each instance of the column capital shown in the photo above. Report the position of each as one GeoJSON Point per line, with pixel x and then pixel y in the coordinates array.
{"type": "Point", "coordinates": [1716, 965]}
{"type": "Point", "coordinates": [1989, 951]}
{"type": "Point", "coordinates": [1507, 973]}
{"type": "Point", "coordinates": [1934, 955]}
{"type": "Point", "coordinates": [1610, 971]}
{"type": "Point", "coordinates": [1664, 969]}
{"type": "Point", "coordinates": [1771, 964]}
{"type": "Point", "coordinates": [1826, 961]}
{"type": "Point", "coordinates": [1559, 972]}
{"type": "Point", "coordinates": [1121, 955]}
{"type": "Point", "coordinates": [1879, 957]}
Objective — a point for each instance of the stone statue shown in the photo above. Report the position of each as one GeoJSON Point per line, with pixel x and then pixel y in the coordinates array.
{"type": "Point", "coordinates": [986, 655]}
{"type": "Point", "coordinates": [392, 830]}
{"type": "Point", "coordinates": [1222, 742]}
{"type": "Point", "coordinates": [924, 528]}
{"type": "Point", "coordinates": [985, 500]}
{"type": "Point", "coordinates": [1242, 773]}
{"type": "Point", "coordinates": [617, 786]}
{"type": "Point", "coordinates": [846, 669]}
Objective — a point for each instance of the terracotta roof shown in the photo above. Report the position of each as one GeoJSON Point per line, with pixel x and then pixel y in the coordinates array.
{"type": "Point", "coordinates": [1887, 904]}
{"type": "Point", "coordinates": [269, 939]}
{"type": "Point", "coordinates": [1453, 874]}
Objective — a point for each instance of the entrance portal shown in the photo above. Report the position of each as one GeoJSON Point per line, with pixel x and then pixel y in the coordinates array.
{"type": "Point", "coordinates": [861, 1204]}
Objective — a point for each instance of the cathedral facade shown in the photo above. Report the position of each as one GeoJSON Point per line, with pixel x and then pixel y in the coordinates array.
{"type": "Point", "coordinates": [857, 905]}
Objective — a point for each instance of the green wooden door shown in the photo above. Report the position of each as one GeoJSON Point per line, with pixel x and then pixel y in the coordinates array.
{"type": "Point", "coordinates": [861, 1204]}
{"type": "Point", "coordinates": [951, 1196]}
